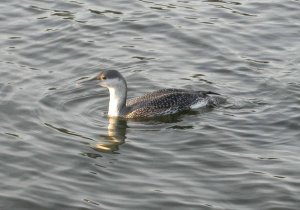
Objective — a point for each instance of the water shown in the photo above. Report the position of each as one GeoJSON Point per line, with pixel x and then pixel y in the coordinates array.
{"type": "Point", "coordinates": [57, 151]}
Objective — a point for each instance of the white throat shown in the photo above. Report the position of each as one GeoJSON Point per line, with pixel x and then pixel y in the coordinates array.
{"type": "Point", "coordinates": [117, 101]}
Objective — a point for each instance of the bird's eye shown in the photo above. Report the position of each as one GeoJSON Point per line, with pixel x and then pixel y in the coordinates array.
{"type": "Point", "coordinates": [103, 77]}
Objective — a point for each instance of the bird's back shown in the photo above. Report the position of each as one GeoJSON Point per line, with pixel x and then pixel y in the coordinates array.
{"type": "Point", "coordinates": [164, 102]}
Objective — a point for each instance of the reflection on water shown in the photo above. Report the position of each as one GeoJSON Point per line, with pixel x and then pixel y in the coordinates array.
{"type": "Point", "coordinates": [116, 135]}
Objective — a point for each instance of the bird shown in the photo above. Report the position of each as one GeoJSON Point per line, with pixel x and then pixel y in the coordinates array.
{"type": "Point", "coordinates": [154, 104]}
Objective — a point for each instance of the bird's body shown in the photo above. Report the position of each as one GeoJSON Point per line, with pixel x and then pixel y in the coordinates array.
{"type": "Point", "coordinates": [153, 104]}
{"type": "Point", "coordinates": [166, 101]}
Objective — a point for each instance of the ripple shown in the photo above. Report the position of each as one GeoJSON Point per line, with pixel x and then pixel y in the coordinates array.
{"type": "Point", "coordinates": [106, 11]}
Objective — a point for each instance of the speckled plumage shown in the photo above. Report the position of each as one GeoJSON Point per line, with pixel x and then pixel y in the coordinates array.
{"type": "Point", "coordinates": [157, 103]}
{"type": "Point", "coordinates": [164, 102]}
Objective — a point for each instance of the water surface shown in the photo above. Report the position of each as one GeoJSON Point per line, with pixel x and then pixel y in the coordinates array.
{"type": "Point", "coordinates": [60, 151]}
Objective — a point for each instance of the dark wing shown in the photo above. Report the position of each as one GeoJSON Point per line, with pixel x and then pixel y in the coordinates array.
{"type": "Point", "coordinates": [159, 95]}
{"type": "Point", "coordinates": [147, 112]}
{"type": "Point", "coordinates": [163, 102]}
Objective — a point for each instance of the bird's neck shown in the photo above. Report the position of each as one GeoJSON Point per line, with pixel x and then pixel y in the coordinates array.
{"type": "Point", "coordinates": [117, 101]}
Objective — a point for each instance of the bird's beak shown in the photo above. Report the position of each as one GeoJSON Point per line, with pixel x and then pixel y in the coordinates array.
{"type": "Point", "coordinates": [94, 78]}
{"type": "Point", "coordinates": [86, 80]}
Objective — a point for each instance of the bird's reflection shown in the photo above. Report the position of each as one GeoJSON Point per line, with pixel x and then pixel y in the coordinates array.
{"type": "Point", "coordinates": [116, 135]}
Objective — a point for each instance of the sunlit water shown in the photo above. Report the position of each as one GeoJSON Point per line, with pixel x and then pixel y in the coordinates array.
{"type": "Point", "coordinates": [60, 151]}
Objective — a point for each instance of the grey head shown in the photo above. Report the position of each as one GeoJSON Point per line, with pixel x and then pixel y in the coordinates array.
{"type": "Point", "coordinates": [117, 86]}
{"type": "Point", "coordinates": [111, 79]}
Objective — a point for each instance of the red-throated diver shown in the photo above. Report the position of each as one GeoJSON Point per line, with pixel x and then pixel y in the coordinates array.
{"type": "Point", "coordinates": [157, 103]}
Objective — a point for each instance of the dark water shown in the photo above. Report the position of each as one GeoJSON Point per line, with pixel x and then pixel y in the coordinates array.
{"type": "Point", "coordinates": [57, 151]}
